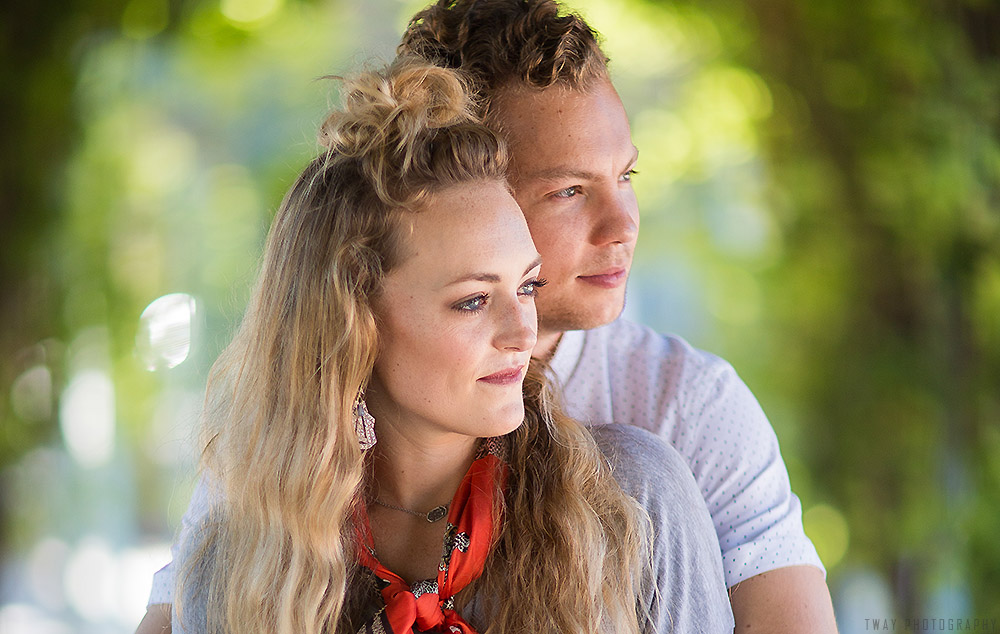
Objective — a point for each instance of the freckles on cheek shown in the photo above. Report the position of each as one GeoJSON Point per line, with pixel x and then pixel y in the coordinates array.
{"type": "Point", "coordinates": [415, 345]}
{"type": "Point", "coordinates": [431, 353]}
{"type": "Point", "coordinates": [553, 238]}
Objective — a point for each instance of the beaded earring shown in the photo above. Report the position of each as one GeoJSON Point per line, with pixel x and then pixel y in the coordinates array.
{"type": "Point", "coordinates": [364, 423]}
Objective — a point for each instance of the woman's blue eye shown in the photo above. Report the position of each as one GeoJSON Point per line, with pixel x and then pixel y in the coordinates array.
{"type": "Point", "coordinates": [569, 192]}
{"type": "Point", "coordinates": [477, 303]}
{"type": "Point", "coordinates": [530, 288]}
{"type": "Point", "coordinates": [473, 304]}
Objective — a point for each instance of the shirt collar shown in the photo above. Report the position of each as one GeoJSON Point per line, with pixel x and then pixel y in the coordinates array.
{"type": "Point", "coordinates": [567, 355]}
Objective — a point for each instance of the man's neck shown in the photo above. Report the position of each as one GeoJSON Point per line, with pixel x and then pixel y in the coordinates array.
{"type": "Point", "coordinates": [546, 344]}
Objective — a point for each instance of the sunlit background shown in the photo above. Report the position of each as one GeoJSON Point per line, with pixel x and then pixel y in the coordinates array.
{"type": "Point", "coordinates": [820, 193]}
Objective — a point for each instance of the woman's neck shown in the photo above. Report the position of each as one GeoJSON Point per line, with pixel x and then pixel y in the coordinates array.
{"type": "Point", "coordinates": [416, 472]}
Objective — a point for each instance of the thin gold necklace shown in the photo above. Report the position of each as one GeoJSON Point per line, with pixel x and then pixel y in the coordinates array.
{"type": "Point", "coordinates": [435, 514]}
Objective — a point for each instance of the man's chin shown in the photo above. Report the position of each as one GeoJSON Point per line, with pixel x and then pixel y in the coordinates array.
{"type": "Point", "coordinates": [579, 317]}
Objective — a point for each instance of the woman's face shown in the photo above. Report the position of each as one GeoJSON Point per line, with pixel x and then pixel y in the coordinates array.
{"type": "Point", "coordinates": [457, 317]}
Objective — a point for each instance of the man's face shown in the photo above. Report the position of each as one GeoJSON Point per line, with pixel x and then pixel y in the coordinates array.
{"type": "Point", "coordinates": [571, 172]}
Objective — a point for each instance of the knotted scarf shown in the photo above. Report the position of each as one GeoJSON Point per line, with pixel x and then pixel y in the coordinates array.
{"type": "Point", "coordinates": [468, 536]}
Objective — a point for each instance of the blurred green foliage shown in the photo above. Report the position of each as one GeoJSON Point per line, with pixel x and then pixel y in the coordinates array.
{"type": "Point", "coordinates": [882, 159]}
{"type": "Point", "coordinates": [820, 189]}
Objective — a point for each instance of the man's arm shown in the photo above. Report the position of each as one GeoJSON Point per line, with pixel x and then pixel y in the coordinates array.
{"type": "Point", "coordinates": [156, 621]}
{"type": "Point", "coordinates": [787, 600]}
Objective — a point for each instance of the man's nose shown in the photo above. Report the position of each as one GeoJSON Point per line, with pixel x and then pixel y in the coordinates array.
{"type": "Point", "coordinates": [616, 218]}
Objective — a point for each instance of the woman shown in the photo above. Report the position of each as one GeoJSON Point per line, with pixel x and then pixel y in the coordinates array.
{"type": "Point", "coordinates": [387, 458]}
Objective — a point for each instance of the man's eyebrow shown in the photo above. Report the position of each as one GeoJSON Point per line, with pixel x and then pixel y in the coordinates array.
{"type": "Point", "coordinates": [490, 277]}
{"type": "Point", "coordinates": [558, 172]}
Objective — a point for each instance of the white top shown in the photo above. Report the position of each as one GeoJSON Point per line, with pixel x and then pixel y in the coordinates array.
{"type": "Point", "coordinates": [627, 373]}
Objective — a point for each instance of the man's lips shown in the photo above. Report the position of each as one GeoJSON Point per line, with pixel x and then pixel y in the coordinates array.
{"type": "Point", "coordinates": [611, 278]}
{"type": "Point", "coordinates": [504, 377]}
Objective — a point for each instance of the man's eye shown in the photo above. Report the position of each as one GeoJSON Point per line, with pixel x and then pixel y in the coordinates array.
{"type": "Point", "coordinates": [627, 176]}
{"type": "Point", "coordinates": [569, 192]}
{"type": "Point", "coordinates": [530, 288]}
{"type": "Point", "coordinates": [472, 305]}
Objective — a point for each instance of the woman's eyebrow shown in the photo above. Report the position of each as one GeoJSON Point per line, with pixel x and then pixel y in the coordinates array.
{"type": "Point", "coordinates": [537, 261]}
{"type": "Point", "coordinates": [491, 277]}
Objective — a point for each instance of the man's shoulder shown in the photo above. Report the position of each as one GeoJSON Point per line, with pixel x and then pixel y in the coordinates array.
{"type": "Point", "coordinates": [628, 344]}
{"type": "Point", "coordinates": [625, 372]}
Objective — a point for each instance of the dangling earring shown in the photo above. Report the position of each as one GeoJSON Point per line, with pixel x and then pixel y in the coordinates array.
{"type": "Point", "coordinates": [364, 423]}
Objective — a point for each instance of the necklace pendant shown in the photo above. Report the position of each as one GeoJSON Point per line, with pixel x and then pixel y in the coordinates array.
{"type": "Point", "coordinates": [437, 513]}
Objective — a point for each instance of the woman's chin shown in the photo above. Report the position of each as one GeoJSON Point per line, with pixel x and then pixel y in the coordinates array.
{"type": "Point", "coordinates": [503, 421]}
{"type": "Point", "coordinates": [513, 419]}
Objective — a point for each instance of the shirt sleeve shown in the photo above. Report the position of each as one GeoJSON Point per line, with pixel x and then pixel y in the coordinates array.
{"type": "Point", "coordinates": [165, 578]}
{"type": "Point", "coordinates": [734, 455]}
{"type": "Point", "coordinates": [630, 374]}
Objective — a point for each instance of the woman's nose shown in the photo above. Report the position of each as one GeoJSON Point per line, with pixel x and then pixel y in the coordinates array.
{"type": "Point", "coordinates": [518, 326]}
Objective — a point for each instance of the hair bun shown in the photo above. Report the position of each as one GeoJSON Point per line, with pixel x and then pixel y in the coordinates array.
{"type": "Point", "coordinates": [393, 108]}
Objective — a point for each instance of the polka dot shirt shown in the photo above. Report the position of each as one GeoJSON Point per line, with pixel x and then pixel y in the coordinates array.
{"type": "Point", "coordinates": [628, 373]}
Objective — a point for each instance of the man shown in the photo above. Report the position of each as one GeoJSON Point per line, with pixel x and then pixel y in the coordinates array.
{"type": "Point", "coordinates": [545, 85]}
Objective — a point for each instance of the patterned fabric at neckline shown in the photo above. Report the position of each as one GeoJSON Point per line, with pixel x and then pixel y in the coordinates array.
{"type": "Point", "coordinates": [428, 605]}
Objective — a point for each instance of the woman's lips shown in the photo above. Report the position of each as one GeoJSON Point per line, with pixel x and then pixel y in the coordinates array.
{"type": "Point", "coordinates": [504, 377]}
{"type": "Point", "coordinates": [608, 279]}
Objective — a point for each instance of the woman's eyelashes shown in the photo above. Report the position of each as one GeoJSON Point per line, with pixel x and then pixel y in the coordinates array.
{"type": "Point", "coordinates": [472, 304]}
{"type": "Point", "coordinates": [479, 301]}
{"type": "Point", "coordinates": [530, 288]}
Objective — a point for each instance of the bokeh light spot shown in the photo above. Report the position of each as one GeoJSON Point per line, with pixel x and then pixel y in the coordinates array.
{"type": "Point", "coordinates": [162, 159]}
{"type": "Point", "coordinates": [828, 530]}
{"type": "Point", "coordinates": [90, 580]}
{"type": "Point", "coordinates": [23, 618]}
{"type": "Point", "coordinates": [164, 337]}
{"type": "Point", "coordinates": [46, 567]}
{"type": "Point", "coordinates": [87, 418]}
{"type": "Point", "coordinates": [249, 13]}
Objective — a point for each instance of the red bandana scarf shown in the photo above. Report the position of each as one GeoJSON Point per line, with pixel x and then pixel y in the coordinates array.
{"type": "Point", "coordinates": [467, 542]}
